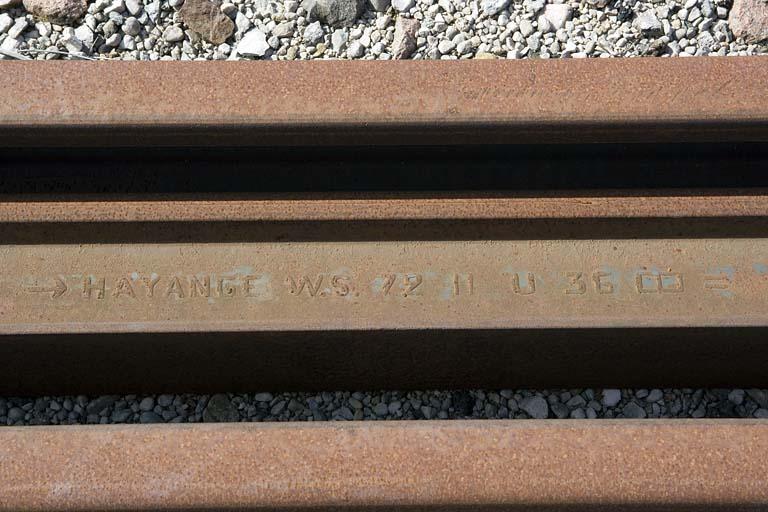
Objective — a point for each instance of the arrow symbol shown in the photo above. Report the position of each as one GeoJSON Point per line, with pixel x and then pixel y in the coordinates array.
{"type": "Point", "coordinates": [720, 282]}
{"type": "Point", "coordinates": [57, 290]}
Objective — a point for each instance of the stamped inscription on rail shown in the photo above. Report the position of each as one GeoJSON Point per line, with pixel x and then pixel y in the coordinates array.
{"type": "Point", "coordinates": [386, 285]}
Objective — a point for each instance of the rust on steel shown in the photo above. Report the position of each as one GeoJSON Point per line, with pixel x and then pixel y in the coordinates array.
{"type": "Point", "coordinates": [527, 465]}
{"type": "Point", "coordinates": [319, 207]}
{"type": "Point", "coordinates": [492, 284]}
{"type": "Point", "coordinates": [373, 102]}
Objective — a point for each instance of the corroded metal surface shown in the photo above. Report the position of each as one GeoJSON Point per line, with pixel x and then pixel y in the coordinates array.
{"type": "Point", "coordinates": [319, 207]}
{"type": "Point", "coordinates": [521, 465]}
{"type": "Point", "coordinates": [494, 284]}
{"type": "Point", "coordinates": [371, 102]}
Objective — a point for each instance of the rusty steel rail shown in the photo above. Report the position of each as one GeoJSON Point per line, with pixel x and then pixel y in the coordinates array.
{"type": "Point", "coordinates": [442, 465]}
{"type": "Point", "coordinates": [338, 292]}
{"type": "Point", "coordinates": [353, 103]}
{"type": "Point", "coordinates": [382, 207]}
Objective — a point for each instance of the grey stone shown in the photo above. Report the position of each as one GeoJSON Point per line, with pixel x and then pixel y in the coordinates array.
{"type": "Point", "coordinates": [147, 404]}
{"type": "Point", "coordinates": [536, 407]}
{"type": "Point", "coordinates": [336, 13]}
{"type": "Point", "coordinates": [404, 41]}
{"type": "Point", "coordinates": [394, 407]}
{"type": "Point", "coordinates": [220, 409]}
{"type": "Point", "coordinates": [633, 410]}
{"type": "Point", "coordinates": [611, 397]}
{"type": "Point", "coordinates": [759, 396]}
{"type": "Point", "coordinates": [578, 414]}
{"type": "Point", "coordinates": [121, 416]}
{"type": "Point", "coordinates": [150, 417]}
{"type": "Point", "coordinates": [761, 413]}
{"type": "Point", "coordinates": [284, 29]}
{"type": "Point", "coordinates": [16, 414]}
{"type": "Point", "coordinates": [97, 405]}
{"type": "Point", "coordinates": [380, 409]}
{"type": "Point", "coordinates": [560, 410]}
{"type": "Point", "coordinates": [7, 4]}
{"type": "Point", "coordinates": [131, 26]}
{"type": "Point", "coordinates": [654, 396]}
{"type": "Point", "coordinates": [278, 408]}
{"type": "Point", "coordinates": [736, 396]}
{"type": "Point", "coordinates": [263, 397]}
{"type": "Point", "coordinates": [165, 400]}
{"type": "Point", "coordinates": [380, 5]}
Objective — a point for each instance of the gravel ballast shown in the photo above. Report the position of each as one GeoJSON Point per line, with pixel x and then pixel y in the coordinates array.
{"type": "Point", "coordinates": [428, 405]}
{"type": "Point", "coordinates": [379, 29]}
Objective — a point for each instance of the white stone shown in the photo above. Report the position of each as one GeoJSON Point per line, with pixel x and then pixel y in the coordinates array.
{"type": "Point", "coordinates": [556, 14]}
{"type": "Point", "coordinates": [526, 28]}
{"type": "Point", "coordinates": [491, 7]}
{"type": "Point", "coordinates": [253, 44]}
{"type": "Point", "coordinates": [134, 7]}
{"type": "Point", "coordinates": [648, 24]}
{"type": "Point", "coordinates": [403, 5]}
{"type": "Point", "coordinates": [114, 40]}
{"type": "Point", "coordinates": [446, 46]}
{"type": "Point", "coordinates": [173, 34]}
{"type": "Point", "coordinates": [313, 34]}
{"type": "Point", "coordinates": [339, 39]}
{"type": "Point", "coordinates": [85, 34]}
{"type": "Point", "coordinates": [6, 22]}
{"type": "Point", "coordinates": [131, 26]}
{"type": "Point", "coordinates": [18, 28]}
{"type": "Point", "coordinates": [242, 23]}
{"type": "Point", "coordinates": [355, 50]}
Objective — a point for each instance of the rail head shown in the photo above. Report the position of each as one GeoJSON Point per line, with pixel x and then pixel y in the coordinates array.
{"type": "Point", "coordinates": [357, 103]}
{"type": "Point", "coordinates": [521, 465]}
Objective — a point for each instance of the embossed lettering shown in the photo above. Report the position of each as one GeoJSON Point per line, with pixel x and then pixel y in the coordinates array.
{"type": "Point", "coordinates": [389, 280]}
{"type": "Point", "coordinates": [602, 285]}
{"type": "Point", "coordinates": [248, 285]}
{"type": "Point", "coordinates": [196, 287]}
{"type": "Point", "coordinates": [175, 288]}
{"type": "Point", "coordinates": [150, 284]}
{"type": "Point", "coordinates": [304, 281]}
{"type": "Point", "coordinates": [411, 282]}
{"type": "Point", "coordinates": [576, 284]}
{"type": "Point", "coordinates": [91, 285]}
{"type": "Point", "coordinates": [529, 287]}
{"type": "Point", "coordinates": [226, 288]}
{"type": "Point", "coordinates": [341, 286]}
{"type": "Point", "coordinates": [470, 286]}
{"type": "Point", "coordinates": [659, 282]}
{"type": "Point", "coordinates": [123, 287]}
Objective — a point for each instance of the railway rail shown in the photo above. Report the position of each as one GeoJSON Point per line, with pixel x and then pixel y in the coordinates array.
{"type": "Point", "coordinates": [354, 227]}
